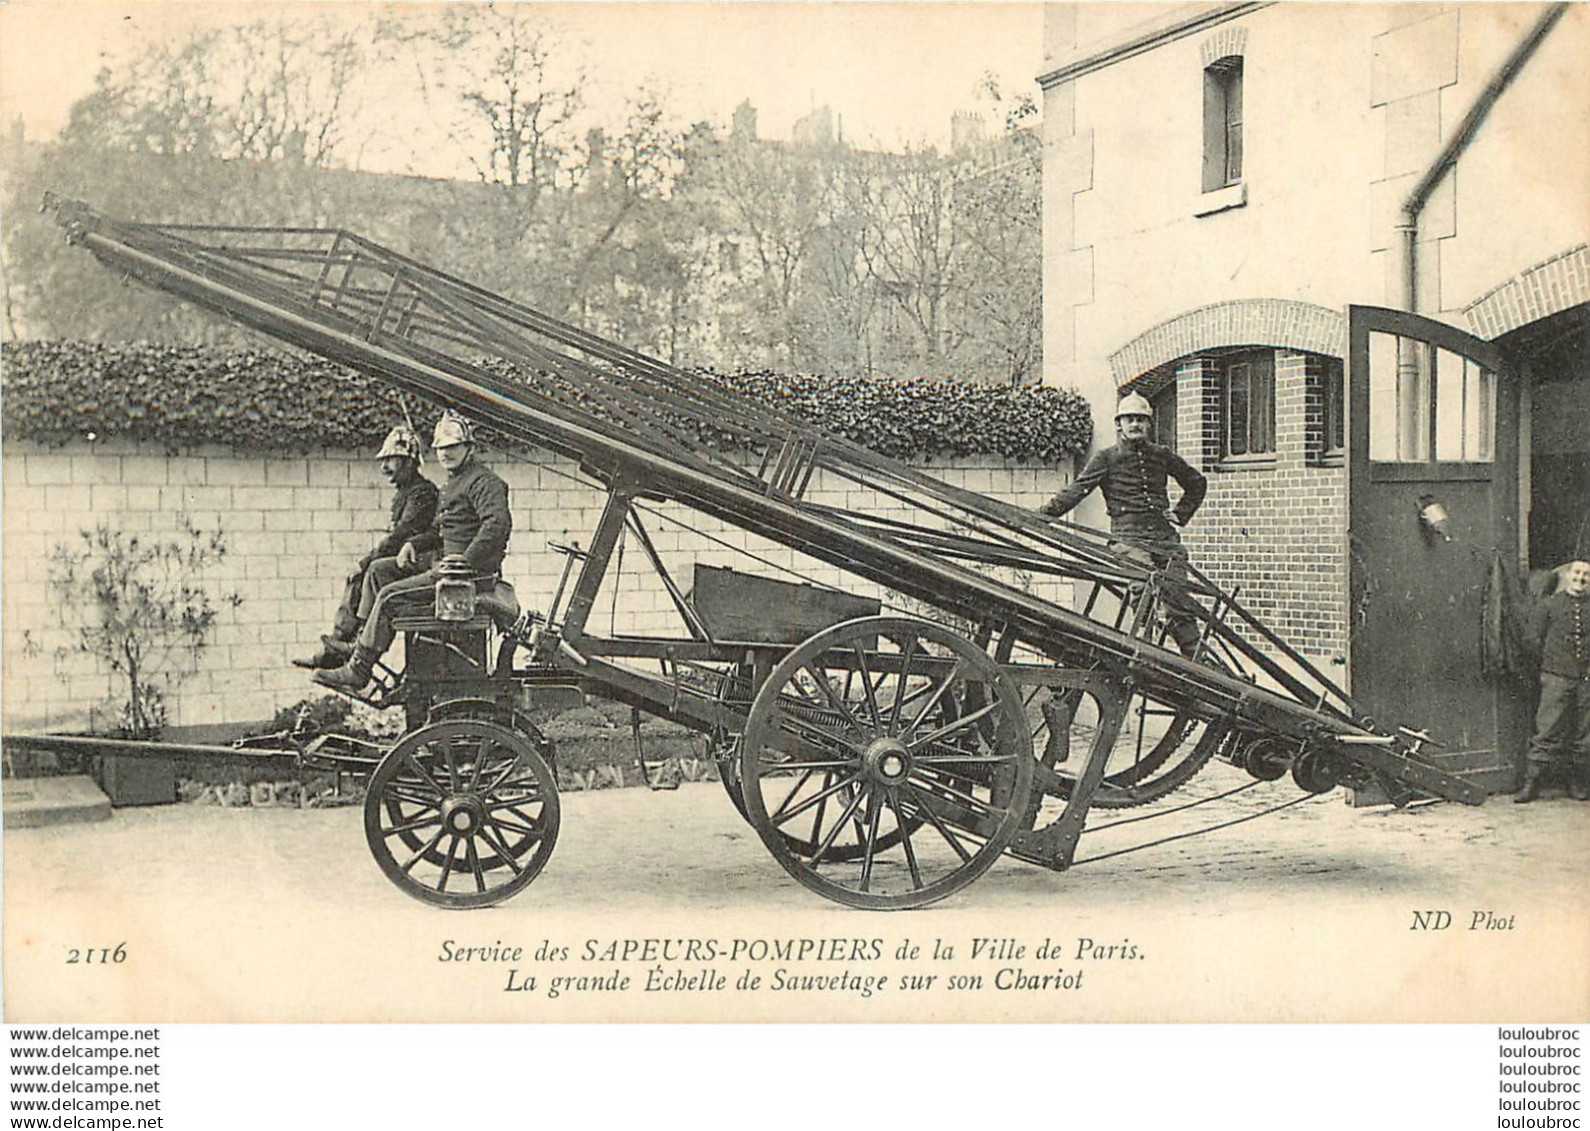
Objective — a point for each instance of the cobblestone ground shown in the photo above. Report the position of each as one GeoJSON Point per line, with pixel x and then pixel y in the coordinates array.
{"type": "Point", "coordinates": [689, 848]}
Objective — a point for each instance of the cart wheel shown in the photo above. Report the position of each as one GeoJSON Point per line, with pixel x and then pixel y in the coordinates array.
{"type": "Point", "coordinates": [1266, 759]}
{"type": "Point", "coordinates": [479, 710]}
{"type": "Point", "coordinates": [465, 805]}
{"type": "Point", "coordinates": [1317, 771]}
{"type": "Point", "coordinates": [867, 775]}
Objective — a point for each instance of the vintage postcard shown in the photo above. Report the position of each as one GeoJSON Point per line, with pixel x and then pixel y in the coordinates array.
{"type": "Point", "coordinates": [796, 512]}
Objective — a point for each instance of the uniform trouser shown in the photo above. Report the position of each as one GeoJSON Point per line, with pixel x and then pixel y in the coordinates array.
{"type": "Point", "coordinates": [391, 592]}
{"type": "Point", "coordinates": [1562, 723]}
{"type": "Point", "coordinates": [346, 623]}
{"type": "Point", "coordinates": [1169, 557]}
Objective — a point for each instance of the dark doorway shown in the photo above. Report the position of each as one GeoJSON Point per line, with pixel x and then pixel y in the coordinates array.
{"type": "Point", "coordinates": [1555, 352]}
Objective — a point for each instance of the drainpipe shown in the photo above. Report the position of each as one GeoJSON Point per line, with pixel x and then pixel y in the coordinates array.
{"type": "Point", "coordinates": [1407, 225]}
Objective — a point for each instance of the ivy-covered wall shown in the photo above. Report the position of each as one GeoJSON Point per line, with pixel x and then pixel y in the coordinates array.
{"type": "Point", "coordinates": [57, 391]}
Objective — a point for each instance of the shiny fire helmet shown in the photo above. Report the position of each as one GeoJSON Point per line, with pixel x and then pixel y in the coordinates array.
{"type": "Point", "coordinates": [401, 441]}
{"type": "Point", "coordinates": [453, 429]}
{"type": "Point", "coordinates": [1134, 405]}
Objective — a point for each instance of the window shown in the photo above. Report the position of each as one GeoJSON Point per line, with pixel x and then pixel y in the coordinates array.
{"type": "Point", "coordinates": [1248, 404]}
{"type": "Point", "coordinates": [1427, 403]}
{"type": "Point", "coordinates": [1223, 123]}
{"type": "Point", "coordinates": [1164, 403]}
{"type": "Point", "coordinates": [1333, 408]}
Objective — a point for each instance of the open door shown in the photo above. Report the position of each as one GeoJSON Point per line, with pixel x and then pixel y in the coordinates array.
{"type": "Point", "coordinates": [1432, 497]}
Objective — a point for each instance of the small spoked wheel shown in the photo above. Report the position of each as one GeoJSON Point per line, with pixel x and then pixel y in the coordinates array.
{"type": "Point", "coordinates": [462, 813]}
{"type": "Point", "coordinates": [886, 763]}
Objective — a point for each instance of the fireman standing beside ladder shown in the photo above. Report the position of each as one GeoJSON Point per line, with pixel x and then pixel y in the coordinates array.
{"type": "Point", "coordinates": [1133, 474]}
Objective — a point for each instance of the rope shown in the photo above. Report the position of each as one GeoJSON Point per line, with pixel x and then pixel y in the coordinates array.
{"type": "Point", "coordinates": [1195, 832]}
{"type": "Point", "coordinates": [1243, 788]}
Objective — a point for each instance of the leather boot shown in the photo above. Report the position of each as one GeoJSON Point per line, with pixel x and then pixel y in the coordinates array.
{"type": "Point", "coordinates": [1579, 785]}
{"type": "Point", "coordinates": [1530, 790]}
{"type": "Point", "coordinates": [351, 676]}
{"type": "Point", "coordinates": [333, 654]}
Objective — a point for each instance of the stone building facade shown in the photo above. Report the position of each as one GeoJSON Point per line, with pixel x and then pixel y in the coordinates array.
{"type": "Point", "coordinates": [1224, 184]}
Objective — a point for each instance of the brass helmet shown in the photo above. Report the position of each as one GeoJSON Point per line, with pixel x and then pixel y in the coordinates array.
{"type": "Point", "coordinates": [401, 441]}
{"type": "Point", "coordinates": [1134, 405]}
{"type": "Point", "coordinates": [452, 429]}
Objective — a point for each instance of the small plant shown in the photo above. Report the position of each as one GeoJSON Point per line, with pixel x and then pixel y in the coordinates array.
{"type": "Point", "coordinates": [136, 604]}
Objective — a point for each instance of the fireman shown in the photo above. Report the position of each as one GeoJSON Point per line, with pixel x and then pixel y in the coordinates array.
{"type": "Point", "coordinates": [1133, 475]}
{"type": "Point", "coordinates": [413, 511]}
{"type": "Point", "coordinates": [472, 523]}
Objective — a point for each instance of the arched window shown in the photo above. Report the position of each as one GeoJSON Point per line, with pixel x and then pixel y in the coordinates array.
{"type": "Point", "coordinates": [1223, 123]}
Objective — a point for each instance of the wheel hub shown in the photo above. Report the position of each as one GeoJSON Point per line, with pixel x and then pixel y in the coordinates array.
{"type": "Point", "coordinates": [461, 816]}
{"type": "Point", "coordinates": [887, 760]}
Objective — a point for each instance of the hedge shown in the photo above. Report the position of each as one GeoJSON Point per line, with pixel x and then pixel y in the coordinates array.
{"type": "Point", "coordinates": [186, 396]}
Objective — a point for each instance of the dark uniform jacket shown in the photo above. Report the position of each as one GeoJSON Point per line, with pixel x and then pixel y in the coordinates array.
{"type": "Point", "coordinates": [413, 513]}
{"type": "Point", "coordinates": [1133, 478]}
{"type": "Point", "coordinates": [472, 518]}
{"type": "Point", "coordinates": [1560, 633]}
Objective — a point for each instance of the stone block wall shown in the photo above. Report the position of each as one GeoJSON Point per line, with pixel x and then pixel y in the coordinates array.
{"type": "Point", "coordinates": [294, 526]}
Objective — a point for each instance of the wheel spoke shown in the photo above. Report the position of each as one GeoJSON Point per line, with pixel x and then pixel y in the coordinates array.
{"type": "Point", "coordinates": [414, 763]}
{"type": "Point", "coordinates": [531, 799]}
{"type": "Point", "coordinates": [452, 767]}
{"type": "Point", "coordinates": [942, 786]}
{"type": "Point", "coordinates": [520, 813]}
{"type": "Point", "coordinates": [868, 686]}
{"type": "Point", "coordinates": [905, 839]}
{"type": "Point", "coordinates": [874, 811]}
{"type": "Point", "coordinates": [833, 833]}
{"type": "Point", "coordinates": [502, 777]}
{"type": "Point", "coordinates": [500, 847]}
{"type": "Point", "coordinates": [777, 815]}
{"type": "Point", "coordinates": [833, 700]}
{"type": "Point", "coordinates": [410, 826]}
{"type": "Point", "coordinates": [933, 819]}
{"type": "Point", "coordinates": [447, 863]}
{"type": "Point", "coordinates": [961, 759]}
{"type": "Point", "coordinates": [504, 827]}
{"type": "Point", "coordinates": [938, 694]}
{"type": "Point", "coordinates": [784, 815]}
{"type": "Point", "coordinates": [425, 803]}
{"type": "Point", "coordinates": [474, 864]}
{"type": "Point", "coordinates": [907, 653]}
{"type": "Point", "coordinates": [480, 764]}
{"type": "Point", "coordinates": [408, 865]}
{"type": "Point", "coordinates": [952, 727]}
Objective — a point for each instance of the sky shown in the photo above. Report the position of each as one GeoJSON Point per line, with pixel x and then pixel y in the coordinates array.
{"type": "Point", "coordinates": [892, 72]}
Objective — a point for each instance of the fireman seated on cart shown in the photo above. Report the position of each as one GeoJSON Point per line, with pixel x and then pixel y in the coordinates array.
{"type": "Point", "coordinates": [472, 527]}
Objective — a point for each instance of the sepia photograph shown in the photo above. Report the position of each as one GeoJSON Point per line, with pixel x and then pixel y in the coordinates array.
{"type": "Point", "coordinates": [795, 512]}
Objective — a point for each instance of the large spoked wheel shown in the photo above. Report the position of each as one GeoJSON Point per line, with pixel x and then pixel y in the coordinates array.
{"type": "Point", "coordinates": [462, 814]}
{"type": "Point", "coordinates": [886, 763]}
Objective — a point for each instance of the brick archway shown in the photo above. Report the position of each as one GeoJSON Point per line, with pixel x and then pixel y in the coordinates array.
{"type": "Point", "coordinates": [1284, 323]}
{"type": "Point", "coordinates": [1560, 282]}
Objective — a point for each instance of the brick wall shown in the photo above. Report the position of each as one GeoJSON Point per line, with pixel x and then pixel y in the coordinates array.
{"type": "Point", "coordinates": [295, 525]}
{"type": "Point", "coordinates": [1274, 529]}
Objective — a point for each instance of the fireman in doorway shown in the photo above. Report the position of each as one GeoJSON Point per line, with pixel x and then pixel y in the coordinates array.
{"type": "Point", "coordinates": [1133, 474]}
{"type": "Point", "coordinates": [1560, 637]}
